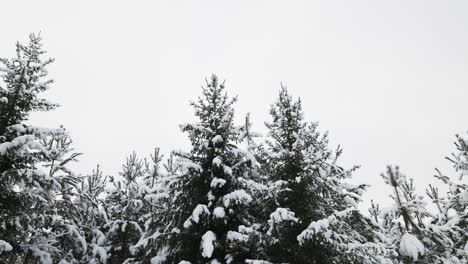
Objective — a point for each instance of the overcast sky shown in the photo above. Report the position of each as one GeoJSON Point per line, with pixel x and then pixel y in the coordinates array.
{"type": "Point", "coordinates": [387, 79]}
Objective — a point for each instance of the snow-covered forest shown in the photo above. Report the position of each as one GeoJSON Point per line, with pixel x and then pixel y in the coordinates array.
{"type": "Point", "coordinates": [235, 197]}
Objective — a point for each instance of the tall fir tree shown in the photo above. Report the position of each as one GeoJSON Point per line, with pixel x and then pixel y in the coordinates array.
{"type": "Point", "coordinates": [34, 223]}
{"type": "Point", "coordinates": [212, 194]}
{"type": "Point", "coordinates": [314, 216]}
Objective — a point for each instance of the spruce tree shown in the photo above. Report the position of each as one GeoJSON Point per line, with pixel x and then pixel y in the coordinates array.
{"type": "Point", "coordinates": [212, 195]}
{"type": "Point", "coordinates": [313, 215]}
{"type": "Point", "coordinates": [33, 167]}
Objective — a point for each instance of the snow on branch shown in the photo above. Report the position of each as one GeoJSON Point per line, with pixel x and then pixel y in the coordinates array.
{"type": "Point", "coordinates": [322, 225]}
{"type": "Point", "coordinates": [199, 211]}
{"type": "Point", "coordinates": [410, 246]}
{"type": "Point", "coordinates": [237, 197]}
{"type": "Point", "coordinates": [207, 244]}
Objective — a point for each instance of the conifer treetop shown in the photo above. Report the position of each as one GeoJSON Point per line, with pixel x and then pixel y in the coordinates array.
{"type": "Point", "coordinates": [287, 117]}
{"type": "Point", "coordinates": [215, 130]}
{"type": "Point", "coordinates": [214, 107]}
{"type": "Point", "coordinates": [25, 77]}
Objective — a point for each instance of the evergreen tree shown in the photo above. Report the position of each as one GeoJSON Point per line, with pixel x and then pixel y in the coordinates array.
{"type": "Point", "coordinates": [403, 221]}
{"type": "Point", "coordinates": [126, 207]}
{"type": "Point", "coordinates": [117, 213]}
{"type": "Point", "coordinates": [417, 235]}
{"type": "Point", "coordinates": [313, 217]}
{"type": "Point", "coordinates": [153, 245]}
{"type": "Point", "coordinates": [212, 195]}
{"type": "Point", "coordinates": [34, 223]}
{"type": "Point", "coordinates": [93, 216]}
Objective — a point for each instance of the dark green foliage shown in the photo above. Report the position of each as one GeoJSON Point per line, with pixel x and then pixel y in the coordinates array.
{"type": "Point", "coordinates": [210, 182]}
{"type": "Point", "coordinates": [33, 162]}
{"type": "Point", "coordinates": [307, 182]}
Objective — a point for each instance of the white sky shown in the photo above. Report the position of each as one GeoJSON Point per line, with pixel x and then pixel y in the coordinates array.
{"type": "Point", "coordinates": [388, 79]}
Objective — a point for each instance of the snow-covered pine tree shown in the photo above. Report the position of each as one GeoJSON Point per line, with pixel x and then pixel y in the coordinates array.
{"type": "Point", "coordinates": [417, 235]}
{"type": "Point", "coordinates": [313, 218]}
{"type": "Point", "coordinates": [114, 212]}
{"type": "Point", "coordinates": [153, 245]}
{"type": "Point", "coordinates": [454, 207]}
{"type": "Point", "coordinates": [126, 207]}
{"type": "Point", "coordinates": [211, 204]}
{"type": "Point", "coordinates": [33, 160]}
{"type": "Point", "coordinates": [402, 223]}
{"type": "Point", "coordinates": [458, 194]}
{"type": "Point", "coordinates": [89, 202]}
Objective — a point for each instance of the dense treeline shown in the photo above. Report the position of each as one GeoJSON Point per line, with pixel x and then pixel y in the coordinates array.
{"type": "Point", "coordinates": [234, 197]}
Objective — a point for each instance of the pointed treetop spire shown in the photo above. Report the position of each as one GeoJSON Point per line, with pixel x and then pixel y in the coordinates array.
{"type": "Point", "coordinates": [214, 106]}
{"type": "Point", "coordinates": [25, 77]}
{"type": "Point", "coordinates": [288, 118]}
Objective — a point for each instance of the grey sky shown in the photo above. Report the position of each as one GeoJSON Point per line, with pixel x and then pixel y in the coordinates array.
{"type": "Point", "coordinates": [388, 79]}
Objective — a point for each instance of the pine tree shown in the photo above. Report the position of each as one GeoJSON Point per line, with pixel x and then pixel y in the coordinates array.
{"type": "Point", "coordinates": [126, 207]}
{"type": "Point", "coordinates": [313, 217]}
{"type": "Point", "coordinates": [33, 160]}
{"type": "Point", "coordinates": [118, 212]}
{"type": "Point", "coordinates": [152, 246]}
{"type": "Point", "coordinates": [89, 202]}
{"type": "Point", "coordinates": [212, 196]}
{"type": "Point", "coordinates": [403, 221]}
{"type": "Point", "coordinates": [456, 200]}
{"type": "Point", "coordinates": [417, 235]}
